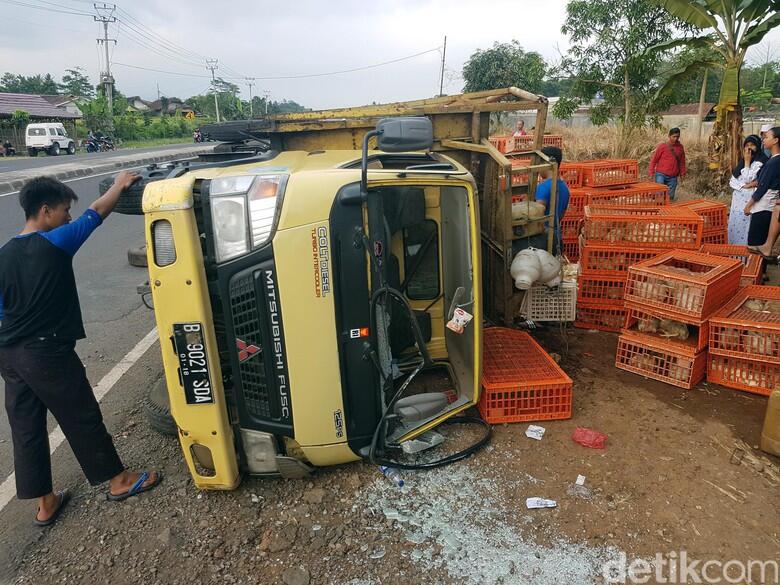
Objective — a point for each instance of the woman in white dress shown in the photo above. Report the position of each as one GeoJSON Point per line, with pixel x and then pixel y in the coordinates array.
{"type": "Point", "coordinates": [743, 181]}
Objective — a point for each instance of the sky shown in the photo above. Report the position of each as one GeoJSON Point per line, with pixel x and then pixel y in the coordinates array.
{"type": "Point", "coordinates": [264, 39]}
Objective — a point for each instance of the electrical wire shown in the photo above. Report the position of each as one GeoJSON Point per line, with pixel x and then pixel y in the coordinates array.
{"type": "Point", "coordinates": [46, 8]}
{"type": "Point", "coordinates": [285, 76]}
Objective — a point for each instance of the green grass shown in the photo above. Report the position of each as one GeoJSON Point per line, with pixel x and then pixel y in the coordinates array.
{"type": "Point", "coordinates": [154, 142]}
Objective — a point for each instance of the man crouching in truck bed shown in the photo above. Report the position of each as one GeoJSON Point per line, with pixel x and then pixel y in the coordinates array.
{"type": "Point", "coordinates": [40, 322]}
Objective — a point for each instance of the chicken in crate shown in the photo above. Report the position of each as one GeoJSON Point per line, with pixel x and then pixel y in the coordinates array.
{"type": "Point", "coordinates": [550, 286]}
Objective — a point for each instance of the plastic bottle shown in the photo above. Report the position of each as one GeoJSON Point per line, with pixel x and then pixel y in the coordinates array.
{"type": "Point", "coordinates": [770, 435]}
{"type": "Point", "coordinates": [392, 474]}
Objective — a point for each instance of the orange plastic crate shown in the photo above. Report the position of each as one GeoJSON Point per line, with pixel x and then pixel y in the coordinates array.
{"type": "Point", "coordinates": [578, 197]}
{"type": "Point", "coordinates": [602, 173]}
{"type": "Point", "coordinates": [527, 142]}
{"type": "Point", "coordinates": [753, 376]}
{"type": "Point", "coordinates": [682, 283]}
{"type": "Point", "coordinates": [748, 326]}
{"type": "Point", "coordinates": [571, 249]}
{"type": "Point", "coordinates": [645, 194]}
{"type": "Point", "coordinates": [611, 261]}
{"type": "Point", "coordinates": [501, 142]}
{"type": "Point", "coordinates": [571, 174]}
{"type": "Point", "coordinates": [570, 226]}
{"type": "Point", "coordinates": [752, 264]}
{"type": "Point", "coordinates": [647, 227]}
{"type": "Point", "coordinates": [647, 357]}
{"type": "Point", "coordinates": [714, 214]}
{"type": "Point", "coordinates": [520, 381]}
{"type": "Point", "coordinates": [720, 238]}
{"type": "Point", "coordinates": [650, 324]}
{"type": "Point", "coordinates": [600, 317]}
{"type": "Point", "coordinates": [602, 290]}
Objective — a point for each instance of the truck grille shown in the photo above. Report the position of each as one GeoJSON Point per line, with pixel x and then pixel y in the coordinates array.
{"type": "Point", "coordinates": [246, 324]}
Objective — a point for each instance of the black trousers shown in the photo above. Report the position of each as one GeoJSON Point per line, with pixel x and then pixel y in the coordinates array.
{"type": "Point", "coordinates": [43, 375]}
{"type": "Point", "coordinates": [759, 228]}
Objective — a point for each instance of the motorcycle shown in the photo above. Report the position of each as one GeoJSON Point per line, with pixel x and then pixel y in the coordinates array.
{"type": "Point", "coordinates": [92, 144]}
{"type": "Point", "coordinates": [7, 149]}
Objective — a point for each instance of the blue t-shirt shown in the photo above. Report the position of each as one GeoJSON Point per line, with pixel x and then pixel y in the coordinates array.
{"type": "Point", "coordinates": [38, 295]}
{"type": "Point", "coordinates": [543, 195]}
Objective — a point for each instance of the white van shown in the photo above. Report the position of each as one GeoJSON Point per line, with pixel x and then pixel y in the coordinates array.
{"type": "Point", "coordinates": [49, 136]}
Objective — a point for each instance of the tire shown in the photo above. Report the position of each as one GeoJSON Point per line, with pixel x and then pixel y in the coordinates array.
{"type": "Point", "coordinates": [157, 409]}
{"type": "Point", "coordinates": [32, 152]}
{"type": "Point", "coordinates": [71, 148]}
{"type": "Point", "coordinates": [131, 200]}
{"type": "Point", "coordinates": [137, 256]}
{"type": "Point", "coordinates": [55, 149]}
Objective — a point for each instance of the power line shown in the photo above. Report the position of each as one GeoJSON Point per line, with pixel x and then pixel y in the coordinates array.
{"type": "Point", "coordinates": [47, 8]}
{"type": "Point", "coordinates": [289, 76]}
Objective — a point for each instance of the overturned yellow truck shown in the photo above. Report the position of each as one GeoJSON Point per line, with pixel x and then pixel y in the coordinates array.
{"type": "Point", "coordinates": [317, 283]}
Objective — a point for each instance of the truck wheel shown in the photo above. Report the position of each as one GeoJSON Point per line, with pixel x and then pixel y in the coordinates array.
{"type": "Point", "coordinates": [131, 200]}
{"type": "Point", "coordinates": [71, 148]}
{"type": "Point", "coordinates": [32, 152]}
{"type": "Point", "coordinates": [137, 256]}
{"type": "Point", "coordinates": [55, 149]}
{"type": "Point", "coordinates": [157, 409]}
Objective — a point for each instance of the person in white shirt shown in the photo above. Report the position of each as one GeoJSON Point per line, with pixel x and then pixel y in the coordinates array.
{"type": "Point", "coordinates": [744, 174]}
{"type": "Point", "coordinates": [520, 131]}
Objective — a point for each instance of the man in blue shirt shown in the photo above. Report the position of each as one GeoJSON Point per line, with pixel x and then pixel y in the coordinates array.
{"type": "Point", "coordinates": [543, 194]}
{"type": "Point", "coordinates": [544, 189]}
{"type": "Point", "coordinates": [40, 322]}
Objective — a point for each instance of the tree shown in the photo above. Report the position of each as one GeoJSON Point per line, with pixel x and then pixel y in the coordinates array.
{"type": "Point", "coordinates": [731, 27]}
{"type": "Point", "coordinates": [608, 59]}
{"type": "Point", "coordinates": [20, 118]}
{"type": "Point", "coordinates": [76, 82]}
{"type": "Point", "coordinates": [505, 65]}
{"type": "Point", "coordinates": [37, 84]}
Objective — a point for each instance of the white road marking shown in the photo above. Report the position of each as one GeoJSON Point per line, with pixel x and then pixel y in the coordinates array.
{"type": "Point", "coordinates": [83, 178]}
{"type": "Point", "coordinates": [56, 437]}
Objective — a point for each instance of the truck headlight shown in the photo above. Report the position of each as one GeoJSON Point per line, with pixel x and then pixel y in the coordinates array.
{"type": "Point", "coordinates": [243, 210]}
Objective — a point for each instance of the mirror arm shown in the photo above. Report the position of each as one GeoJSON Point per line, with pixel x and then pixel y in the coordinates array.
{"type": "Point", "coordinates": [364, 164]}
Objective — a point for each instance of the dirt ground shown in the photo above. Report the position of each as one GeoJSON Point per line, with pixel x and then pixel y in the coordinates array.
{"type": "Point", "coordinates": [668, 480]}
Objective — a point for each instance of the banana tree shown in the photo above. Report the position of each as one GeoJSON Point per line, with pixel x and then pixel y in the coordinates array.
{"type": "Point", "coordinates": [729, 28]}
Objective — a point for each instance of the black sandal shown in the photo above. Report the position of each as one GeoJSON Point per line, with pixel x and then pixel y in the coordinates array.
{"type": "Point", "coordinates": [64, 498]}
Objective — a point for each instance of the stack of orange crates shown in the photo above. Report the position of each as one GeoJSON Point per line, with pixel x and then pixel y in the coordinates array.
{"type": "Point", "coordinates": [615, 238]}
{"type": "Point", "coordinates": [745, 341]}
{"type": "Point", "coordinates": [508, 143]}
{"type": "Point", "coordinates": [715, 216]}
{"type": "Point", "coordinates": [669, 300]}
{"type": "Point", "coordinates": [520, 381]}
{"type": "Point", "coordinates": [752, 264]}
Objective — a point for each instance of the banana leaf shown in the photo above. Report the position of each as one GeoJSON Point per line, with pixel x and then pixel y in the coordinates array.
{"type": "Point", "coordinates": [694, 12]}
{"type": "Point", "coordinates": [729, 87]}
{"type": "Point", "coordinates": [693, 42]}
{"type": "Point", "coordinates": [750, 10]}
{"type": "Point", "coordinates": [682, 74]}
{"type": "Point", "coordinates": [756, 33]}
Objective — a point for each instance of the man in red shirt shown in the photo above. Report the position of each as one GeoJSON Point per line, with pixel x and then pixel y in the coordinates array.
{"type": "Point", "coordinates": [667, 165]}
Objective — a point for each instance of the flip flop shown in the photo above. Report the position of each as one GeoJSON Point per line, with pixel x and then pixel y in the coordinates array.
{"type": "Point", "coordinates": [137, 488]}
{"type": "Point", "coordinates": [64, 498]}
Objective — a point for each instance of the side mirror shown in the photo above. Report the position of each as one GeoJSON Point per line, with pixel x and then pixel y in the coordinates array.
{"type": "Point", "coordinates": [403, 134]}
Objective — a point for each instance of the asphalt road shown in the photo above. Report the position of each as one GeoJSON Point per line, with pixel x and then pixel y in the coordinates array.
{"type": "Point", "coordinates": [115, 321]}
{"type": "Point", "coordinates": [44, 160]}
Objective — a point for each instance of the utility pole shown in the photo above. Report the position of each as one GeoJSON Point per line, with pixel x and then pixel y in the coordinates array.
{"type": "Point", "coordinates": [211, 64]}
{"type": "Point", "coordinates": [250, 81]}
{"type": "Point", "coordinates": [158, 91]}
{"type": "Point", "coordinates": [105, 14]}
{"type": "Point", "coordinates": [267, 95]}
{"type": "Point", "coordinates": [441, 78]}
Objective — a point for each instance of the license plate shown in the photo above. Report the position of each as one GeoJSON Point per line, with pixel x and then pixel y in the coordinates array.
{"type": "Point", "coordinates": [193, 364]}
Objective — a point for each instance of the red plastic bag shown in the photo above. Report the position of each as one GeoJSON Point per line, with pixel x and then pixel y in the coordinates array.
{"type": "Point", "coordinates": [589, 438]}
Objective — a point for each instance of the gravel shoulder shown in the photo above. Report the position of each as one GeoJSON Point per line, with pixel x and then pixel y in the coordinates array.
{"type": "Point", "coordinates": [666, 482]}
